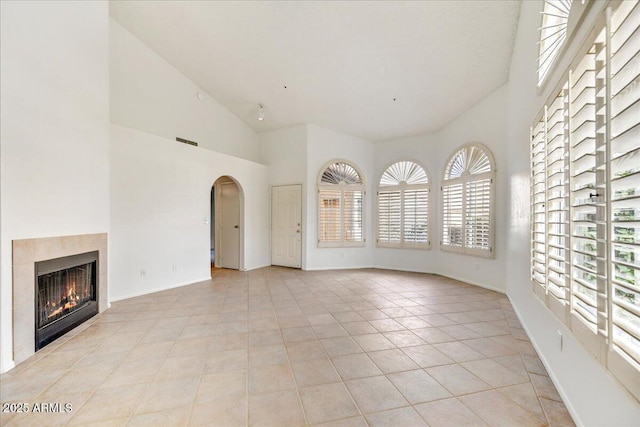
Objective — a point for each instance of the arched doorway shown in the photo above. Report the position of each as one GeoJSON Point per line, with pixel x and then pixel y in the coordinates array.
{"type": "Point", "coordinates": [226, 227]}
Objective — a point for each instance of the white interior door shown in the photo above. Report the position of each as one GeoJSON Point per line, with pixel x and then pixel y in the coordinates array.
{"type": "Point", "coordinates": [229, 250]}
{"type": "Point", "coordinates": [286, 225]}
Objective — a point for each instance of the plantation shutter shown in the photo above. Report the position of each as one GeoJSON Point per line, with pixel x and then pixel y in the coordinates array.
{"type": "Point", "coordinates": [538, 207]}
{"type": "Point", "coordinates": [389, 217]}
{"type": "Point", "coordinates": [352, 215]}
{"type": "Point", "coordinates": [602, 113]}
{"type": "Point", "coordinates": [583, 190]}
{"type": "Point", "coordinates": [477, 214]}
{"type": "Point", "coordinates": [416, 216]}
{"type": "Point", "coordinates": [557, 205]}
{"type": "Point", "coordinates": [467, 200]}
{"type": "Point", "coordinates": [330, 215]}
{"type": "Point", "coordinates": [625, 194]}
{"type": "Point", "coordinates": [340, 206]}
{"type": "Point", "coordinates": [452, 214]}
{"type": "Point", "coordinates": [403, 206]}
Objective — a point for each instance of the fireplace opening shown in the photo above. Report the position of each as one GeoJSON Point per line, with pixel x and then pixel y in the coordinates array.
{"type": "Point", "coordinates": [66, 295]}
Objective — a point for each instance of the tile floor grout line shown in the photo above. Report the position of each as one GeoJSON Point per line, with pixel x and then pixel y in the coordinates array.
{"type": "Point", "coordinates": [393, 295]}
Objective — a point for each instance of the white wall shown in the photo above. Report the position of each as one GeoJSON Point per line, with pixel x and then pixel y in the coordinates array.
{"type": "Point", "coordinates": [484, 123]}
{"type": "Point", "coordinates": [323, 146]}
{"type": "Point", "coordinates": [160, 188]}
{"type": "Point", "coordinates": [285, 151]}
{"type": "Point", "coordinates": [54, 129]}
{"type": "Point", "coordinates": [149, 94]}
{"type": "Point", "coordinates": [160, 197]}
{"type": "Point", "coordinates": [592, 396]}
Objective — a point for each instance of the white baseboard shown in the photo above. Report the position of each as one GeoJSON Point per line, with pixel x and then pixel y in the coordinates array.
{"type": "Point", "coordinates": [7, 367]}
{"type": "Point", "coordinates": [159, 289]}
{"type": "Point", "coordinates": [545, 363]}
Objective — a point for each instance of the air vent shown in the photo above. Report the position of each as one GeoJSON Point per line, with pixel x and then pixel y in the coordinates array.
{"type": "Point", "coordinates": [186, 141]}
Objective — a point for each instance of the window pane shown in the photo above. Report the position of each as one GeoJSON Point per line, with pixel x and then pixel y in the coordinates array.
{"type": "Point", "coordinates": [389, 220]}
{"type": "Point", "coordinates": [477, 214]}
{"type": "Point", "coordinates": [468, 161]}
{"type": "Point", "coordinates": [452, 215]}
{"type": "Point", "coordinates": [330, 215]}
{"type": "Point", "coordinates": [352, 216]}
{"type": "Point", "coordinates": [416, 213]}
{"type": "Point", "coordinates": [404, 172]}
{"type": "Point", "coordinates": [339, 172]}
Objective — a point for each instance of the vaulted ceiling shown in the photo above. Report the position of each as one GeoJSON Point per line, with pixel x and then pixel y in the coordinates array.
{"type": "Point", "coordinates": [378, 70]}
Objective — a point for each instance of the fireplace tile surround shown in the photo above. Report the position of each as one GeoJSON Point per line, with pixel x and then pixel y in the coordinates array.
{"type": "Point", "coordinates": [26, 253]}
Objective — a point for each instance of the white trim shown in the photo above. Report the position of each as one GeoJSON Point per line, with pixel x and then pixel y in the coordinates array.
{"type": "Point", "coordinates": [160, 289]}
{"type": "Point", "coordinates": [351, 267]}
{"type": "Point", "coordinates": [554, 379]}
{"type": "Point", "coordinates": [472, 282]}
{"type": "Point", "coordinates": [8, 366]}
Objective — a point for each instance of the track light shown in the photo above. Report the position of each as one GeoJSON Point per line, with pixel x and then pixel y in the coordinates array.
{"type": "Point", "coordinates": [260, 112]}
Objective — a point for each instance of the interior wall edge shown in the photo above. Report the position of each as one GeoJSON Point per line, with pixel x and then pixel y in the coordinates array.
{"type": "Point", "coordinates": [561, 391]}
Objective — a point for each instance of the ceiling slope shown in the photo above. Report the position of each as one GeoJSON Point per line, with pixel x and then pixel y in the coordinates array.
{"type": "Point", "coordinates": [377, 70]}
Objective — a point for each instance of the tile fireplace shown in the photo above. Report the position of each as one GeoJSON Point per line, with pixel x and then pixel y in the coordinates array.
{"type": "Point", "coordinates": [58, 283]}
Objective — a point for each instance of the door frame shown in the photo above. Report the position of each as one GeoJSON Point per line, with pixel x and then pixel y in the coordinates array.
{"type": "Point", "coordinates": [303, 223]}
{"type": "Point", "coordinates": [218, 217]}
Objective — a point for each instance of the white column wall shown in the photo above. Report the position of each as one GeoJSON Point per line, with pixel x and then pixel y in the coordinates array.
{"type": "Point", "coordinates": [54, 174]}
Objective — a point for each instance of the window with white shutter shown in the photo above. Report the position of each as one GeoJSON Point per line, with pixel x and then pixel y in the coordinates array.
{"type": "Point", "coordinates": [467, 202]}
{"type": "Point", "coordinates": [538, 208]}
{"type": "Point", "coordinates": [403, 206]}
{"type": "Point", "coordinates": [585, 196]}
{"type": "Point", "coordinates": [340, 206]}
{"type": "Point", "coordinates": [624, 210]}
{"type": "Point", "coordinates": [553, 33]}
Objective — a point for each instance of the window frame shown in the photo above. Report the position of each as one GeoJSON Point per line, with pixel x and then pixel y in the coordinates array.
{"type": "Point", "coordinates": [342, 188]}
{"type": "Point", "coordinates": [401, 188]}
{"type": "Point", "coordinates": [590, 201]}
{"type": "Point", "coordinates": [464, 181]}
{"type": "Point", "coordinates": [579, 10]}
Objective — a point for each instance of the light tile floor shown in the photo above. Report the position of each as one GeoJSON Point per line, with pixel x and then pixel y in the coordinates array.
{"type": "Point", "coordinates": [284, 347]}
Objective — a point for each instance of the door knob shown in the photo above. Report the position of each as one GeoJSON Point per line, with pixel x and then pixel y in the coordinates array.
{"type": "Point", "coordinates": [236, 226]}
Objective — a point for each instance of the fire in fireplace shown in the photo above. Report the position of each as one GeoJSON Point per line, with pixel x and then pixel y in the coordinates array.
{"type": "Point", "coordinates": [66, 295]}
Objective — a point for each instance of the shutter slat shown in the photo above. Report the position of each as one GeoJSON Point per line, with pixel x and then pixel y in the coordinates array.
{"type": "Point", "coordinates": [625, 149]}
{"type": "Point", "coordinates": [330, 216]}
{"type": "Point", "coordinates": [452, 215]}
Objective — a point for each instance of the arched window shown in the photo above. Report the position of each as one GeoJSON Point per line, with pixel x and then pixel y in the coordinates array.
{"type": "Point", "coordinates": [553, 33]}
{"type": "Point", "coordinates": [467, 202]}
{"type": "Point", "coordinates": [403, 206]}
{"type": "Point", "coordinates": [340, 206]}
